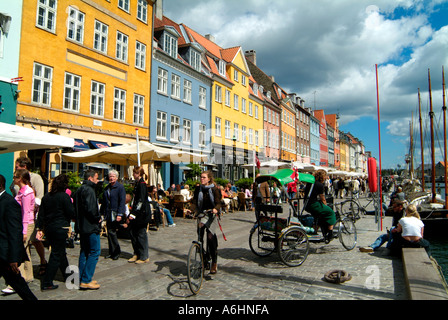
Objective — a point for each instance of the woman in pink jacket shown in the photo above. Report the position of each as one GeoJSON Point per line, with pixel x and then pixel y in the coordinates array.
{"type": "Point", "coordinates": [25, 197]}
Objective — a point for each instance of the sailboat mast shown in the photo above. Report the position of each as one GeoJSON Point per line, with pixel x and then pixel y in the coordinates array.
{"type": "Point", "coordinates": [433, 165]}
{"type": "Point", "coordinates": [444, 135]}
{"type": "Point", "coordinates": [421, 141]}
{"type": "Point", "coordinates": [411, 149]}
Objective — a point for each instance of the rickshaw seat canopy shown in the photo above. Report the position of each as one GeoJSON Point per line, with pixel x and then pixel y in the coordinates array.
{"type": "Point", "coordinates": [285, 176]}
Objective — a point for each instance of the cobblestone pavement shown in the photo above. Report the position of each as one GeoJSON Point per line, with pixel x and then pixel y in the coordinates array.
{"type": "Point", "coordinates": [241, 274]}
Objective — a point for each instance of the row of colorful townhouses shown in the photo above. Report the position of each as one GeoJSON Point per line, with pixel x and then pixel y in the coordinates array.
{"type": "Point", "coordinates": [97, 70]}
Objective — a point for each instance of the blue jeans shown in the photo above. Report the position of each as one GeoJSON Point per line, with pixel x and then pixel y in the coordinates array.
{"type": "Point", "coordinates": [167, 213]}
{"type": "Point", "coordinates": [88, 257]}
{"type": "Point", "coordinates": [382, 239]}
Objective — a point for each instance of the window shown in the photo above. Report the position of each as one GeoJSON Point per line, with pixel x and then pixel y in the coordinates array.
{"type": "Point", "coordinates": [72, 90]}
{"type": "Point", "coordinates": [217, 127]}
{"type": "Point", "coordinates": [256, 137]}
{"type": "Point", "coordinates": [100, 36]}
{"type": "Point", "coordinates": [202, 130]}
{"type": "Point", "coordinates": [187, 131]}
{"type": "Point", "coordinates": [124, 5]}
{"type": "Point", "coordinates": [175, 86]}
{"type": "Point", "coordinates": [202, 98]}
{"type": "Point", "coordinates": [235, 75]}
{"type": "Point", "coordinates": [236, 133]}
{"type": "Point", "coordinates": [161, 125]}
{"type": "Point", "coordinates": [256, 112]}
{"type": "Point", "coordinates": [187, 91]}
{"type": "Point", "coordinates": [121, 52]}
{"type": "Point", "coordinates": [142, 10]}
{"type": "Point", "coordinates": [251, 106]}
{"type": "Point", "coordinates": [195, 60]}
{"type": "Point", "coordinates": [119, 104]}
{"type": "Point", "coordinates": [218, 94]}
{"type": "Point", "coordinates": [97, 99]}
{"type": "Point", "coordinates": [162, 81]}
{"type": "Point", "coordinates": [251, 136]}
{"type": "Point", "coordinates": [170, 45]}
{"type": "Point", "coordinates": [244, 134]}
{"type": "Point", "coordinates": [243, 79]}
{"type": "Point", "coordinates": [46, 15]}
{"type": "Point", "coordinates": [227, 98]}
{"type": "Point", "coordinates": [42, 78]}
{"type": "Point", "coordinates": [222, 68]}
{"type": "Point", "coordinates": [243, 105]}
{"type": "Point", "coordinates": [235, 102]}
{"type": "Point", "coordinates": [139, 107]}
{"type": "Point", "coordinates": [140, 55]}
{"type": "Point", "coordinates": [75, 25]}
{"type": "Point", "coordinates": [175, 125]}
{"type": "Point", "coordinates": [227, 129]}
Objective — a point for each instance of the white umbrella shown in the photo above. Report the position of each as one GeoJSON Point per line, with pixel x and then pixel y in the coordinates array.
{"type": "Point", "coordinates": [16, 138]}
{"type": "Point", "coordinates": [127, 154]}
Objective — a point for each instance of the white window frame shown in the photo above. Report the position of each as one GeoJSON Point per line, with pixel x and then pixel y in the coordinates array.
{"type": "Point", "coordinates": [222, 68]}
{"type": "Point", "coordinates": [251, 136]}
{"type": "Point", "coordinates": [186, 129]}
{"type": "Point", "coordinates": [100, 36]}
{"type": "Point", "coordinates": [244, 134]}
{"type": "Point", "coordinates": [121, 48]}
{"type": "Point", "coordinates": [187, 91]}
{"type": "Point", "coordinates": [218, 93]}
{"type": "Point", "coordinates": [97, 98]}
{"type": "Point", "coordinates": [75, 25]}
{"type": "Point", "coordinates": [140, 55]}
{"type": "Point", "coordinates": [243, 80]}
{"type": "Point", "coordinates": [217, 127]}
{"type": "Point", "coordinates": [174, 128]}
{"type": "Point", "coordinates": [235, 75]}
{"type": "Point", "coordinates": [256, 138]}
{"type": "Point", "coordinates": [202, 131]}
{"type": "Point", "coordinates": [162, 81]}
{"type": "Point", "coordinates": [139, 109]}
{"type": "Point", "coordinates": [175, 86]}
{"type": "Point", "coordinates": [235, 102]}
{"type": "Point", "coordinates": [72, 92]}
{"type": "Point", "coordinates": [251, 107]}
{"type": "Point", "coordinates": [256, 111]}
{"type": "Point", "coordinates": [46, 15]}
{"type": "Point", "coordinates": [123, 5]}
{"type": "Point", "coordinates": [170, 45]}
{"type": "Point", "coordinates": [42, 84]}
{"type": "Point", "coordinates": [195, 60]}
{"type": "Point", "coordinates": [142, 11]}
{"type": "Point", "coordinates": [119, 104]}
{"type": "Point", "coordinates": [227, 98]}
{"type": "Point", "coordinates": [161, 125]}
{"type": "Point", "coordinates": [202, 98]}
{"type": "Point", "coordinates": [236, 131]}
{"type": "Point", "coordinates": [227, 130]}
{"type": "Point", "coordinates": [243, 105]}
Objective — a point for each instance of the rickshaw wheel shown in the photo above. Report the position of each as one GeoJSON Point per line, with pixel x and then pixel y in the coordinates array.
{"type": "Point", "coordinates": [261, 242]}
{"type": "Point", "coordinates": [293, 247]}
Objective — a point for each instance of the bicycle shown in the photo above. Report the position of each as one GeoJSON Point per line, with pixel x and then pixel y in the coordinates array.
{"type": "Point", "coordinates": [354, 207]}
{"type": "Point", "coordinates": [198, 259]}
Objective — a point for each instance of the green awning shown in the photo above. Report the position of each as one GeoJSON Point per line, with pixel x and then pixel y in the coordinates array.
{"type": "Point", "coordinates": [285, 176]}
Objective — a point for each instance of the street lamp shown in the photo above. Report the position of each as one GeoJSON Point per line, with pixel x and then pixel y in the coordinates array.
{"type": "Point", "coordinates": [234, 158]}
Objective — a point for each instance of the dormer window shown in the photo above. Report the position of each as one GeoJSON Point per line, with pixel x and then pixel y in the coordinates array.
{"type": "Point", "coordinates": [255, 87]}
{"type": "Point", "coordinates": [195, 60]}
{"type": "Point", "coordinates": [222, 68]}
{"type": "Point", "coordinates": [170, 45]}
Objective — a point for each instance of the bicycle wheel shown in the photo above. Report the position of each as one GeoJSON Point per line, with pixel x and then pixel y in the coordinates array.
{"type": "Point", "coordinates": [347, 232]}
{"type": "Point", "coordinates": [261, 242]}
{"type": "Point", "coordinates": [350, 208]}
{"type": "Point", "coordinates": [293, 247]}
{"type": "Point", "coordinates": [195, 268]}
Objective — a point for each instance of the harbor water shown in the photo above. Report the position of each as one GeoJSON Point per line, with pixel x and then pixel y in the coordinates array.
{"type": "Point", "coordinates": [439, 250]}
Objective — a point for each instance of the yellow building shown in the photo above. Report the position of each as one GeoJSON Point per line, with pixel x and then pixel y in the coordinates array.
{"type": "Point", "coordinates": [86, 70]}
{"type": "Point", "coordinates": [237, 114]}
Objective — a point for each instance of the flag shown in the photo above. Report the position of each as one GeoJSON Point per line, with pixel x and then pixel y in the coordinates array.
{"type": "Point", "coordinates": [257, 162]}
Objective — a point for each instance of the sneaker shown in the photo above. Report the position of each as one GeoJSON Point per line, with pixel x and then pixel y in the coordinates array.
{"type": "Point", "coordinates": [89, 286]}
{"type": "Point", "coordinates": [133, 259]}
{"type": "Point", "coordinates": [366, 249]}
{"type": "Point", "coordinates": [142, 261]}
{"type": "Point", "coordinates": [172, 225]}
{"type": "Point", "coordinates": [8, 290]}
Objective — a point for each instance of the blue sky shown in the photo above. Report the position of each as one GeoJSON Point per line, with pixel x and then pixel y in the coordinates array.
{"type": "Point", "coordinates": [325, 51]}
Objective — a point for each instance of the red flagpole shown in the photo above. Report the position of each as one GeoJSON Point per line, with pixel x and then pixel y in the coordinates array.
{"type": "Point", "coordinates": [379, 144]}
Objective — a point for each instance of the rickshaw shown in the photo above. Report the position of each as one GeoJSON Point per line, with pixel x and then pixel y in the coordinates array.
{"type": "Point", "coordinates": [291, 236]}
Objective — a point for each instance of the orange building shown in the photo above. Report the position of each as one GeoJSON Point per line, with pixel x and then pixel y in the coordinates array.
{"type": "Point", "coordinates": [86, 70]}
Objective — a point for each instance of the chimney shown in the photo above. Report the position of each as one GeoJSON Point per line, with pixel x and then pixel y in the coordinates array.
{"type": "Point", "coordinates": [210, 37]}
{"type": "Point", "coordinates": [159, 9]}
{"type": "Point", "coordinates": [252, 56]}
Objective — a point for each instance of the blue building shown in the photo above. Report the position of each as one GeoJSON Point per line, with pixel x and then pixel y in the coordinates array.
{"type": "Point", "coordinates": [181, 96]}
{"type": "Point", "coordinates": [10, 29]}
{"type": "Point", "coordinates": [314, 140]}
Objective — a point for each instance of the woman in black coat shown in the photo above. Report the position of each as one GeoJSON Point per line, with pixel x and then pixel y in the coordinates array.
{"type": "Point", "coordinates": [55, 213]}
{"type": "Point", "coordinates": [139, 218]}
{"type": "Point", "coordinates": [208, 197]}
